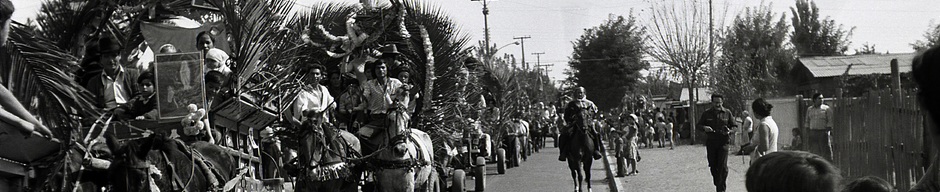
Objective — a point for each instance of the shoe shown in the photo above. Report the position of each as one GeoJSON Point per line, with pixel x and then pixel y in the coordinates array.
{"type": "Point", "coordinates": [561, 158]}
{"type": "Point", "coordinates": [597, 155]}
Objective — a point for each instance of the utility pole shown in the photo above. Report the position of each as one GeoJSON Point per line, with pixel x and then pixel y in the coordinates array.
{"type": "Point", "coordinates": [538, 67]}
{"type": "Point", "coordinates": [525, 66]}
{"type": "Point", "coordinates": [538, 60]}
{"type": "Point", "coordinates": [486, 27]}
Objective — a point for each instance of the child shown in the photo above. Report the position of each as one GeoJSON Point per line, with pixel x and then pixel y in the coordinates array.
{"type": "Point", "coordinates": [797, 143]}
{"type": "Point", "coordinates": [142, 105]}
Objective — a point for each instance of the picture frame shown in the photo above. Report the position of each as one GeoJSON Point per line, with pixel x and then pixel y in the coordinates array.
{"type": "Point", "coordinates": [180, 81]}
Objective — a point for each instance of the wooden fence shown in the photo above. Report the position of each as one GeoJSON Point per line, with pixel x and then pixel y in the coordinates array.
{"type": "Point", "coordinates": [879, 134]}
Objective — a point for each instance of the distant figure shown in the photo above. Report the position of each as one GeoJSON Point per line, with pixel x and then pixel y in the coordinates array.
{"type": "Point", "coordinates": [217, 60]}
{"type": "Point", "coordinates": [797, 142]}
{"type": "Point", "coordinates": [869, 184]}
{"type": "Point", "coordinates": [204, 42]}
{"type": "Point", "coordinates": [789, 171]}
{"type": "Point", "coordinates": [819, 122]}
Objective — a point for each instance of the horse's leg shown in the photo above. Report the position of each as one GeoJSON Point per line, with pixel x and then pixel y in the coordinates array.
{"type": "Point", "coordinates": [573, 166]}
{"type": "Point", "coordinates": [587, 172]}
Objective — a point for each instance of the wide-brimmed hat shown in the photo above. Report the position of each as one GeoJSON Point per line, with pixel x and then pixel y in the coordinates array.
{"type": "Point", "coordinates": [108, 44]}
{"type": "Point", "coordinates": [389, 50]}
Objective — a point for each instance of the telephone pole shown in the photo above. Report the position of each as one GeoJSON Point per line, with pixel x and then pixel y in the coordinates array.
{"type": "Point", "coordinates": [525, 66]}
{"type": "Point", "coordinates": [538, 60]}
{"type": "Point", "coordinates": [486, 27]}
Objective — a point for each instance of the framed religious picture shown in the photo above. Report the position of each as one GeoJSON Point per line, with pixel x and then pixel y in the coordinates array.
{"type": "Point", "coordinates": [180, 81]}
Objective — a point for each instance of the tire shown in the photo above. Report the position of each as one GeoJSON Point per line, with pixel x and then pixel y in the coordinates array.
{"type": "Point", "coordinates": [479, 174]}
{"type": "Point", "coordinates": [501, 161]}
{"type": "Point", "coordinates": [460, 178]}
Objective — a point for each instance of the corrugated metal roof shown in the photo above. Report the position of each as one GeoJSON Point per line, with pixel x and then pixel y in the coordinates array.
{"type": "Point", "coordinates": [831, 66]}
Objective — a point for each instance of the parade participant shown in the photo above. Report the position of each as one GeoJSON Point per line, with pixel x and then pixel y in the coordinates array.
{"type": "Point", "coordinates": [216, 60]}
{"type": "Point", "coordinates": [786, 171]}
{"type": "Point", "coordinates": [350, 114]}
{"type": "Point", "coordinates": [765, 139]}
{"type": "Point", "coordinates": [579, 113]}
{"type": "Point", "coordinates": [819, 123]}
{"type": "Point", "coordinates": [405, 77]}
{"type": "Point", "coordinates": [142, 105]}
{"type": "Point", "coordinates": [215, 89]}
{"type": "Point", "coordinates": [204, 42]}
{"type": "Point", "coordinates": [379, 94]}
{"type": "Point", "coordinates": [12, 113]}
{"type": "Point", "coordinates": [925, 68]}
{"type": "Point", "coordinates": [717, 122]}
{"type": "Point", "coordinates": [336, 84]}
{"type": "Point", "coordinates": [312, 98]}
{"type": "Point", "coordinates": [114, 85]}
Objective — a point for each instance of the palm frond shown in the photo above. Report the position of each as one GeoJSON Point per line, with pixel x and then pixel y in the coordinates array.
{"type": "Point", "coordinates": [40, 76]}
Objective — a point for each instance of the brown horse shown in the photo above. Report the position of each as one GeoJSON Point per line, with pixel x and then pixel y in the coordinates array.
{"type": "Point", "coordinates": [580, 149]}
{"type": "Point", "coordinates": [168, 165]}
{"type": "Point", "coordinates": [406, 165]}
{"type": "Point", "coordinates": [324, 151]}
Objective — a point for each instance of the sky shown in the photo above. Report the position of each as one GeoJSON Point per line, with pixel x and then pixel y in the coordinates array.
{"type": "Point", "coordinates": [889, 25]}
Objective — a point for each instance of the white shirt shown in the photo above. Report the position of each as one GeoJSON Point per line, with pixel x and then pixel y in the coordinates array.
{"type": "Point", "coordinates": [378, 96]}
{"type": "Point", "coordinates": [818, 118]}
{"type": "Point", "coordinates": [748, 124]}
{"type": "Point", "coordinates": [772, 131]}
{"type": "Point", "coordinates": [316, 99]}
{"type": "Point", "coordinates": [114, 92]}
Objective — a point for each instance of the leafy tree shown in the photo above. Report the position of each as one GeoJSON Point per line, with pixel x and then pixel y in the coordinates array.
{"type": "Point", "coordinates": [607, 59]}
{"type": "Point", "coordinates": [814, 37]}
{"type": "Point", "coordinates": [754, 60]}
{"type": "Point", "coordinates": [867, 50]}
{"type": "Point", "coordinates": [932, 37]}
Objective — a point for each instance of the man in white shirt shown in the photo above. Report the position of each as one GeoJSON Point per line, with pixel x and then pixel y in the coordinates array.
{"type": "Point", "coordinates": [818, 121]}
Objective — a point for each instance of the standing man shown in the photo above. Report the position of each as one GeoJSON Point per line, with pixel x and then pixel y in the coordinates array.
{"type": "Point", "coordinates": [579, 114]}
{"type": "Point", "coordinates": [819, 122]}
{"type": "Point", "coordinates": [717, 122]}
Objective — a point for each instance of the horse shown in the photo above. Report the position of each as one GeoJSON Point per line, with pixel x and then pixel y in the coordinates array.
{"type": "Point", "coordinates": [406, 163]}
{"type": "Point", "coordinates": [579, 156]}
{"type": "Point", "coordinates": [157, 162]}
{"type": "Point", "coordinates": [324, 151]}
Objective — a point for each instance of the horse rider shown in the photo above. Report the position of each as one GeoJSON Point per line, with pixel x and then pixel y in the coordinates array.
{"type": "Point", "coordinates": [579, 114]}
{"type": "Point", "coordinates": [380, 95]}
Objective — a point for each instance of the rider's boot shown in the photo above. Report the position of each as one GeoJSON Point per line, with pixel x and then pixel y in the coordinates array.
{"type": "Point", "coordinates": [597, 146]}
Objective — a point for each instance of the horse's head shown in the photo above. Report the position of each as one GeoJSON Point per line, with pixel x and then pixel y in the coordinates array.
{"type": "Point", "coordinates": [130, 170]}
{"type": "Point", "coordinates": [397, 129]}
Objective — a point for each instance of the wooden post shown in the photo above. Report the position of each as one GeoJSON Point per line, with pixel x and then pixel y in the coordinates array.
{"type": "Point", "coordinates": [895, 79]}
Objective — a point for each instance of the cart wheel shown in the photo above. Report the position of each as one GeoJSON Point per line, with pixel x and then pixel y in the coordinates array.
{"type": "Point", "coordinates": [479, 174]}
{"type": "Point", "coordinates": [501, 161]}
{"type": "Point", "coordinates": [458, 184]}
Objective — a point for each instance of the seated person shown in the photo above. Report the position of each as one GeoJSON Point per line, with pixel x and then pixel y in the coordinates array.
{"type": "Point", "coordinates": [142, 105]}
{"type": "Point", "coordinates": [114, 85]}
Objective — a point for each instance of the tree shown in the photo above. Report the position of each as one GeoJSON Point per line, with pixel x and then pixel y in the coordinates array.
{"type": "Point", "coordinates": [683, 40]}
{"type": "Point", "coordinates": [932, 37]}
{"type": "Point", "coordinates": [754, 60]}
{"type": "Point", "coordinates": [867, 50]}
{"type": "Point", "coordinates": [607, 58]}
{"type": "Point", "coordinates": [814, 37]}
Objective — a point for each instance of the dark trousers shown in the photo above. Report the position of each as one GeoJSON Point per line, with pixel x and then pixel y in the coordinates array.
{"type": "Point", "coordinates": [820, 143]}
{"type": "Point", "coordinates": [718, 164]}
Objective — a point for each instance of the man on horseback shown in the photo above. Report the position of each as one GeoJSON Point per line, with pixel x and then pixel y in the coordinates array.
{"type": "Point", "coordinates": [579, 114]}
{"type": "Point", "coordinates": [380, 95]}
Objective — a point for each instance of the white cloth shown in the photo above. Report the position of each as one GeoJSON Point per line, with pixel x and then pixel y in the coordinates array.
{"type": "Point", "coordinates": [316, 99]}
{"type": "Point", "coordinates": [770, 126]}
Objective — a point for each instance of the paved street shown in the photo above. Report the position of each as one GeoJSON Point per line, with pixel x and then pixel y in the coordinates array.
{"type": "Point", "coordinates": [682, 169]}
{"type": "Point", "coordinates": [542, 172]}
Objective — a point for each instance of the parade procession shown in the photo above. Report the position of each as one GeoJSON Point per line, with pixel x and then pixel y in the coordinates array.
{"type": "Point", "coordinates": [409, 95]}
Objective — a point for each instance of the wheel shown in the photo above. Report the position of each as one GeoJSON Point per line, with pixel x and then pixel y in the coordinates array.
{"type": "Point", "coordinates": [479, 174]}
{"type": "Point", "coordinates": [501, 161]}
{"type": "Point", "coordinates": [458, 184]}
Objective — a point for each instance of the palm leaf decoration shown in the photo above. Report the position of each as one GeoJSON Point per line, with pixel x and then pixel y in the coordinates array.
{"type": "Point", "coordinates": [39, 74]}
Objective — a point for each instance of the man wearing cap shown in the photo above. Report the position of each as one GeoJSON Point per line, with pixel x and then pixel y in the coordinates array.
{"type": "Point", "coordinates": [114, 85]}
{"type": "Point", "coordinates": [12, 113]}
{"type": "Point", "coordinates": [717, 122]}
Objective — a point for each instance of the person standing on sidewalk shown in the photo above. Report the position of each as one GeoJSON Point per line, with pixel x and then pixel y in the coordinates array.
{"type": "Point", "coordinates": [717, 122]}
{"type": "Point", "coordinates": [819, 122]}
{"type": "Point", "coordinates": [579, 114]}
